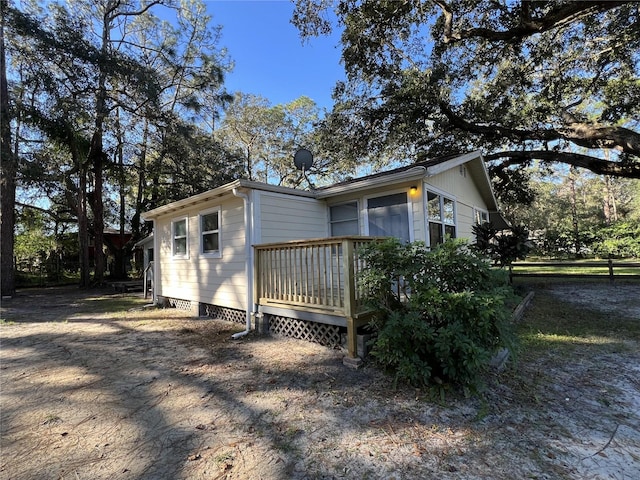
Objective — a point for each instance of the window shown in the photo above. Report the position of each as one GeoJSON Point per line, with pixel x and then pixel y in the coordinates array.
{"type": "Point", "coordinates": [210, 233]}
{"type": "Point", "coordinates": [441, 216]}
{"type": "Point", "coordinates": [179, 233]}
{"type": "Point", "coordinates": [481, 216]}
{"type": "Point", "coordinates": [388, 216]}
{"type": "Point", "coordinates": [344, 219]}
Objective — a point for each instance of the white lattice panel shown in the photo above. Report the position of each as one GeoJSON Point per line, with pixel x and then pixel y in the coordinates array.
{"type": "Point", "coordinates": [223, 313]}
{"type": "Point", "coordinates": [180, 304]}
{"type": "Point", "coordinates": [328, 335]}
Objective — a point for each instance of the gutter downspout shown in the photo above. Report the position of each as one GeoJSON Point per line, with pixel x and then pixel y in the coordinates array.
{"type": "Point", "coordinates": [248, 264]}
{"type": "Point", "coordinates": [156, 264]}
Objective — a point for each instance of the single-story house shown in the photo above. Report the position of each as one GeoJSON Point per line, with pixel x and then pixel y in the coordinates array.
{"type": "Point", "coordinates": [285, 259]}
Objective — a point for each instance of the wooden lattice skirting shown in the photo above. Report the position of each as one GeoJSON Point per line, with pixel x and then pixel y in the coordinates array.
{"type": "Point", "coordinates": [224, 313]}
{"type": "Point", "coordinates": [328, 335]}
{"type": "Point", "coordinates": [180, 304]}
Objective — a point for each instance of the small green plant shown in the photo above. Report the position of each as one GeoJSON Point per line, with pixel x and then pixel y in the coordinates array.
{"type": "Point", "coordinates": [224, 460]}
{"type": "Point", "coordinates": [52, 419]}
{"type": "Point", "coordinates": [442, 313]}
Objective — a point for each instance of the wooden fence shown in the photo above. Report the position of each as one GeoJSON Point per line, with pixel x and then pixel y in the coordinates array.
{"type": "Point", "coordinates": [608, 270]}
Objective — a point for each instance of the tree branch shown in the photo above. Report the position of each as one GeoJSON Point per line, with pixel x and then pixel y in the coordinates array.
{"type": "Point", "coordinates": [596, 165]}
{"type": "Point", "coordinates": [49, 212]}
{"type": "Point", "coordinates": [555, 18]}
{"type": "Point", "coordinates": [588, 135]}
{"type": "Point", "coordinates": [495, 130]}
{"type": "Point", "coordinates": [602, 136]}
{"type": "Point", "coordinates": [132, 13]}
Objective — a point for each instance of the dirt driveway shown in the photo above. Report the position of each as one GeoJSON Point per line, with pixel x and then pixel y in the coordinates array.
{"type": "Point", "coordinates": [88, 392]}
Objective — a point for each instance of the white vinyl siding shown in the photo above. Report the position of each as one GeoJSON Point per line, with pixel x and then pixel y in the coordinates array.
{"type": "Point", "coordinates": [283, 218]}
{"type": "Point", "coordinates": [199, 277]}
{"type": "Point", "coordinates": [461, 185]}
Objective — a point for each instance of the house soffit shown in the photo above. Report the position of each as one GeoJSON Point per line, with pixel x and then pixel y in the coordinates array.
{"type": "Point", "coordinates": [221, 193]}
{"type": "Point", "coordinates": [419, 170]}
{"type": "Point", "coordinates": [372, 181]}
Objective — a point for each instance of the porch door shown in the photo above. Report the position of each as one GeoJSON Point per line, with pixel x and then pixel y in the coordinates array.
{"type": "Point", "coordinates": [389, 216]}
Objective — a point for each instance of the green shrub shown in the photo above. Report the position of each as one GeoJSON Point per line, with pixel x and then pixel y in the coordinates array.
{"type": "Point", "coordinates": [620, 240]}
{"type": "Point", "coordinates": [443, 312]}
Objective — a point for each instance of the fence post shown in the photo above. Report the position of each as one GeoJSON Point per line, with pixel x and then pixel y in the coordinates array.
{"type": "Point", "coordinates": [610, 262]}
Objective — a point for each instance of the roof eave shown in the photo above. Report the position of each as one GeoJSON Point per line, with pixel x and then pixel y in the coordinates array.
{"type": "Point", "coordinates": [367, 183]}
{"type": "Point", "coordinates": [218, 192]}
{"type": "Point", "coordinates": [144, 241]}
{"type": "Point", "coordinates": [452, 163]}
{"type": "Point", "coordinates": [191, 201]}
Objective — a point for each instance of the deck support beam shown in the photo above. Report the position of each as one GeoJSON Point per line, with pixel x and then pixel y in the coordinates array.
{"type": "Point", "coordinates": [350, 298]}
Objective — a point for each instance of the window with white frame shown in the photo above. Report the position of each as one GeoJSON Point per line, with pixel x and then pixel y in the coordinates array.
{"type": "Point", "coordinates": [210, 233]}
{"type": "Point", "coordinates": [481, 216]}
{"type": "Point", "coordinates": [344, 219]}
{"type": "Point", "coordinates": [179, 233]}
{"type": "Point", "coordinates": [441, 216]}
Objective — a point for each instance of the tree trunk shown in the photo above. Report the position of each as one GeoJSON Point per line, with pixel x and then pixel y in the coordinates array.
{"type": "Point", "coordinates": [136, 227]}
{"type": "Point", "coordinates": [120, 269]}
{"type": "Point", "coordinates": [607, 200]}
{"type": "Point", "coordinates": [83, 228]}
{"type": "Point", "coordinates": [96, 152]}
{"type": "Point", "coordinates": [574, 212]}
{"type": "Point", "coordinates": [7, 176]}
{"type": "Point", "coordinates": [97, 205]}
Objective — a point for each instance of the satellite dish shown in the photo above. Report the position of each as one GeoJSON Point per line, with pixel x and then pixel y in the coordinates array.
{"type": "Point", "coordinates": [303, 159]}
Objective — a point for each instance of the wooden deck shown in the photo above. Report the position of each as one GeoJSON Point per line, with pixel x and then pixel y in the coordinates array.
{"type": "Point", "coordinates": [313, 280]}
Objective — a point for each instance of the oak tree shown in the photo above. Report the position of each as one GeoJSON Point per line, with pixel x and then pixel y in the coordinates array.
{"type": "Point", "coordinates": [555, 81]}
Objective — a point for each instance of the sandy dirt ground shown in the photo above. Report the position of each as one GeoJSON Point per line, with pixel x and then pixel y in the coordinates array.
{"type": "Point", "coordinates": [88, 393]}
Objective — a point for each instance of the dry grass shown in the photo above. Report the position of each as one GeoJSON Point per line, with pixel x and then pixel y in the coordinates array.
{"type": "Point", "coordinates": [152, 394]}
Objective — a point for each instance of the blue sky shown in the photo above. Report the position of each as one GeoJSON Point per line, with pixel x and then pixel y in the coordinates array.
{"type": "Point", "coordinates": [270, 58]}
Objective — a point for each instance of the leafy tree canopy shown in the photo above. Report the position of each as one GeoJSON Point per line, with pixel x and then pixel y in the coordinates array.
{"type": "Point", "coordinates": [266, 137]}
{"type": "Point", "coordinates": [555, 81]}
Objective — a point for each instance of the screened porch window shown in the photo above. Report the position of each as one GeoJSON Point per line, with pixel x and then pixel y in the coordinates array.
{"type": "Point", "coordinates": [441, 216]}
{"type": "Point", "coordinates": [179, 234]}
{"type": "Point", "coordinates": [389, 216]}
{"type": "Point", "coordinates": [344, 219]}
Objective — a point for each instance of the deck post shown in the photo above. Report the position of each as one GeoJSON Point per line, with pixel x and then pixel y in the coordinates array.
{"type": "Point", "coordinates": [348, 256]}
{"type": "Point", "coordinates": [258, 271]}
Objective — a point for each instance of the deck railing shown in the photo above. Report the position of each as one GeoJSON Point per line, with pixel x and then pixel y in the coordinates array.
{"type": "Point", "coordinates": [316, 275]}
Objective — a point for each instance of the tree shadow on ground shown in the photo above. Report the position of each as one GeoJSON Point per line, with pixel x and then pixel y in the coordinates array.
{"type": "Point", "coordinates": [144, 395]}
